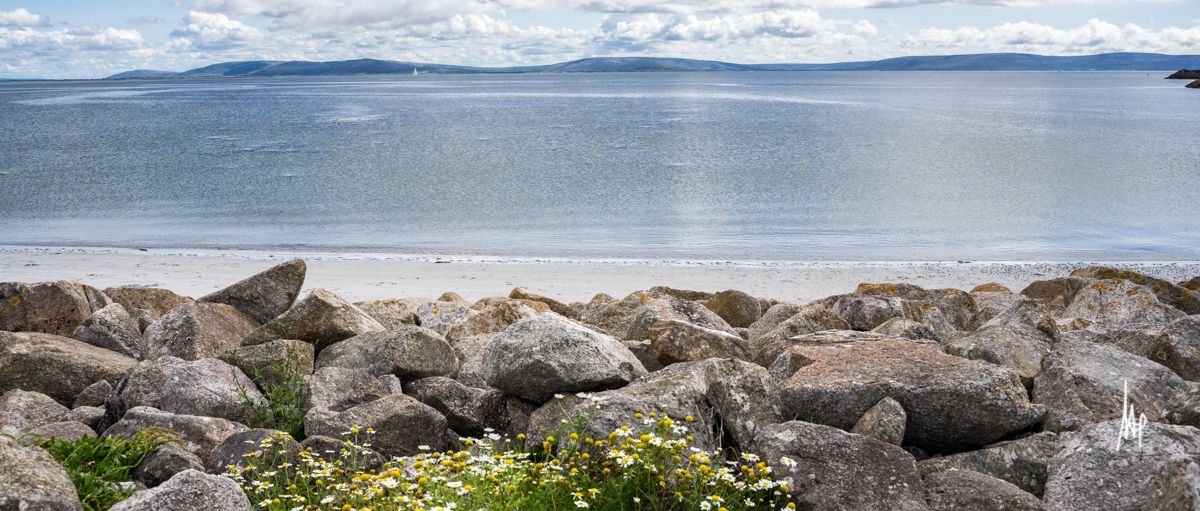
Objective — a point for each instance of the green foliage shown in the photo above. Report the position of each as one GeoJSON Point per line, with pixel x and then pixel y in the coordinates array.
{"type": "Point", "coordinates": [283, 386]}
{"type": "Point", "coordinates": [655, 469]}
{"type": "Point", "coordinates": [98, 465]}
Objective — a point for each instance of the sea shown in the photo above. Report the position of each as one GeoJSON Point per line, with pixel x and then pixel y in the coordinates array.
{"type": "Point", "coordinates": [700, 166]}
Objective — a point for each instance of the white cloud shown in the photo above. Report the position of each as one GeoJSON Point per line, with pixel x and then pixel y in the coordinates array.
{"type": "Point", "coordinates": [205, 30]}
{"type": "Point", "coordinates": [1092, 37]}
{"type": "Point", "coordinates": [20, 18]}
{"type": "Point", "coordinates": [70, 39]}
{"type": "Point", "coordinates": [289, 14]}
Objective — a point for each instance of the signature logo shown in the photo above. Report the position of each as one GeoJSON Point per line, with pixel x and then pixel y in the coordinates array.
{"type": "Point", "coordinates": [1131, 425]}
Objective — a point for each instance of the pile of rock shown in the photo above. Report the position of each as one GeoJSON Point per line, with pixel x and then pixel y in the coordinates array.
{"type": "Point", "coordinates": [891, 397]}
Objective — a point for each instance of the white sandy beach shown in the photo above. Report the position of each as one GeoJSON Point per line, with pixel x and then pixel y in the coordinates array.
{"type": "Point", "coordinates": [372, 276]}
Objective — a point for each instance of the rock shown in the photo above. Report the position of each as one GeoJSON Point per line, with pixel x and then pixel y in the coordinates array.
{"type": "Point", "coordinates": [1119, 304]}
{"type": "Point", "coordinates": [31, 480]}
{"type": "Point", "coordinates": [811, 319]}
{"type": "Point", "coordinates": [206, 387]}
{"type": "Point", "coordinates": [772, 317]}
{"type": "Point", "coordinates": [1184, 74]}
{"type": "Point", "coordinates": [1021, 462]}
{"type": "Point", "coordinates": [440, 316]}
{"type": "Point", "coordinates": [830, 469]}
{"type": "Point", "coordinates": [955, 489]}
{"type": "Point", "coordinates": [198, 435]}
{"type": "Point", "coordinates": [339, 388]}
{"type": "Point", "coordinates": [265, 295]}
{"type": "Point", "coordinates": [409, 353]}
{"type": "Point", "coordinates": [58, 367]}
{"type": "Point", "coordinates": [262, 444]}
{"type": "Point", "coordinates": [169, 459]}
{"type": "Point", "coordinates": [91, 416]}
{"type": "Point", "coordinates": [952, 403]}
{"type": "Point", "coordinates": [989, 304]}
{"type": "Point", "coordinates": [884, 422]}
{"type": "Point", "coordinates": [589, 310]}
{"type": "Point", "coordinates": [471, 412]}
{"type": "Point", "coordinates": [1178, 297]}
{"type": "Point", "coordinates": [273, 362]}
{"type": "Point", "coordinates": [63, 430]}
{"type": "Point", "coordinates": [454, 298]}
{"type": "Point", "coordinates": [735, 307]}
{"type": "Point", "coordinates": [392, 383]}
{"type": "Point", "coordinates": [495, 318]}
{"type": "Point", "coordinates": [93, 395]}
{"type": "Point", "coordinates": [197, 330]}
{"type": "Point", "coordinates": [1090, 473]}
{"type": "Point", "coordinates": [554, 305]}
{"type": "Point", "coordinates": [906, 328]}
{"type": "Point", "coordinates": [190, 490]}
{"type": "Point", "coordinates": [112, 328]}
{"type": "Point", "coordinates": [682, 294]}
{"type": "Point", "coordinates": [332, 449]}
{"type": "Point", "coordinates": [401, 424]}
{"type": "Point", "coordinates": [1195, 84]}
{"type": "Point", "coordinates": [631, 317]}
{"type": "Point", "coordinates": [1176, 486]}
{"type": "Point", "coordinates": [955, 306]}
{"type": "Point", "coordinates": [22, 411]}
{"type": "Point", "coordinates": [723, 396]}
{"type": "Point", "coordinates": [677, 341]}
{"type": "Point", "coordinates": [148, 302]}
{"type": "Point", "coordinates": [1184, 408]}
{"type": "Point", "coordinates": [1083, 383]}
{"type": "Point", "coordinates": [784, 364]}
{"type": "Point", "coordinates": [469, 352]}
{"type": "Point", "coordinates": [644, 352]}
{"type": "Point", "coordinates": [1018, 338]}
{"type": "Point", "coordinates": [1056, 293]}
{"type": "Point", "coordinates": [865, 312]}
{"type": "Point", "coordinates": [321, 318]}
{"type": "Point", "coordinates": [991, 287]}
{"type": "Point", "coordinates": [1177, 347]}
{"type": "Point", "coordinates": [393, 312]}
{"type": "Point", "coordinates": [48, 307]}
{"type": "Point", "coordinates": [538, 357]}
{"type": "Point", "coordinates": [1192, 284]}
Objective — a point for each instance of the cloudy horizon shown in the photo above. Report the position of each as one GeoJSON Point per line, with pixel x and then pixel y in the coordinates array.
{"type": "Point", "coordinates": [61, 39]}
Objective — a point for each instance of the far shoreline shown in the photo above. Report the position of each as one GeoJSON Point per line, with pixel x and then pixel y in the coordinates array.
{"type": "Point", "coordinates": [375, 275]}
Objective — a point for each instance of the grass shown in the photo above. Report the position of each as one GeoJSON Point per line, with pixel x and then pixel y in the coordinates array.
{"type": "Point", "coordinates": [652, 467]}
{"type": "Point", "coordinates": [98, 466]}
{"type": "Point", "coordinates": [284, 409]}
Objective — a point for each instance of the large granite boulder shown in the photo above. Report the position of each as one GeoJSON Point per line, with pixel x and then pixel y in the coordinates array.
{"type": "Point", "coordinates": [469, 411]}
{"type": "Point", "coordinates": [393, 312]}
{"type": "Point", "coordinates": [885, 422]}
{"type": "Point", "coordinates": [558, 307]}
{"type": "Point", "coordinates": [1084, 382]}
{"type": "Point", "coordinates": [495, 318]}
{"type": "Point", "coordinates": [678, 341]}
{"type": "Point", "coordinates": [953, 307]}
{"type": "Point", "coordinates": [1192, 283]}
{"type": "Point", "coordinates": [771, 318]}
{"type": "Point", "coordinates": [146, 303]}
{"type": "Point", "coordinates": [322, 318]}
{"type": "Point", "coordinates": [197, 330]}
{"type": "Point", "coordinates": [273, 362]}
{"type": "Point", "coordinates": [112, 328]}
{"type": "Point", "coordinates": [1018, 338]}
{"type": "Point", "coordinates": [190, 490]}
{"type": "Point", "coordinates": [199, 435]}
{"type": "Point", "coordinates": [62, 430]}
{"type": "Point", "coordinates": [906, 328]}
{"type": "Point", "coordinates": [58, 367]}
{"type": "Point", "coordinates": [990, 300]}
{"type": "Point", "coordinates": [721, 395]}
{"type": "Point", "coordinates": [400, 423]}
{"type": "Point", "coordinates": [1174, 295]}
{"type": "Point", "coordinates": [811, 319]}
{"type": "Point", "coordinates": [440, 316]}
{"type": "Point", "coordinates": [22, 411]}
{"type": "Point", "coordinates": [31, 480]}
{"type": "Point", "coordinates": [631, 317]}
{"type": "Point", "coordinates": [470, 352]}
{"type": "Point", "coordinates": [409, 353]}
{"type": "Point", "coordinates": [865, 312]}
{"type": "Point", "coordinates": [1091, 473]}
{"type": "Point", "coordinates": [256, 443]}
{"type": "Point", "coordinates": [777, 355]}
{"type": "Point", "coordinates": [264, 295]}
{"type": "Point", "coordinates": [207, 387]}
{"type": "Point", "coordinates": [738, 309]}
{"type": "Point", "coordinates": [954, 489]}
{"type": "Point", "coordinates": [1176, 486]}
{"type": "Point", "coordinates": [829, 469]}
{"type": "Point", "coordinates": [93, 395]}
{"type": "Point", "coordinates": [952, 403]}
{"type": "Point", "coordinates": [1108, 304]}
{"type": "Point", "coordinates": [48, 307]}
{"type": "Point", "coordinates": [1177, 347]}
{"type": "Point", "coordinates": [1056, 293]}
{"type": "Point", "coordinates": [1021, 462]}
{"type": "Point", "coordinates": [538, 357]}
{"type": "Point", "coordinates": [167, 460]}
{"type": "Point", "coordinates": [339, 388]}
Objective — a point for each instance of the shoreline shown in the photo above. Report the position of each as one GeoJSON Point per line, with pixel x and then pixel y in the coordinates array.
{"type": "Point", "coordinates": [370, 275]}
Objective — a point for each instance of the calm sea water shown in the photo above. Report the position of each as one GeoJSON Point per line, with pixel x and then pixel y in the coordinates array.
{"type": "Point", "coordinates": [726, 166]}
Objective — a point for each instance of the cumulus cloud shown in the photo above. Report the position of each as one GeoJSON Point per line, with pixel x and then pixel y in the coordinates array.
{"type": "Point", "coordinates": [641, 31]}
{"type": "Point", "coordinates": [206, 30]}
{"type": "Point", "coordinates": [70, 39]}
{"type": "Point", "coordinates": [1092, 37]}
{"type": "Point", "coordinates": [288, 14]}
{"type": "Point", "coordinates": [20, 18]}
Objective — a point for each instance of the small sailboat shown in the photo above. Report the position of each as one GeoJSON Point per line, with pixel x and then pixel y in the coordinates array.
{"type": "Point", "coordinates": [414, 71]}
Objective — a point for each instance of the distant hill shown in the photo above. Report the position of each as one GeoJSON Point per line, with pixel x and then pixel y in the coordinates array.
{"type": "Point", "coordinates": [979, 62]}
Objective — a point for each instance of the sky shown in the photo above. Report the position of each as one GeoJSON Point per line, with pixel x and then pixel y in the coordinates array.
{"type": "Point", "coordinates": [96, 38]}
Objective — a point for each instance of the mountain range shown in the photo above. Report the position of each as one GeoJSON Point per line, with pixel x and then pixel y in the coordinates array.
{"type": "Point", "coordinates": [976, 62]}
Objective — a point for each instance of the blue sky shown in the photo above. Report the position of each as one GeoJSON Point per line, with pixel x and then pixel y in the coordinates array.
{"type": "Point", "coordinates": [86, 39]}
